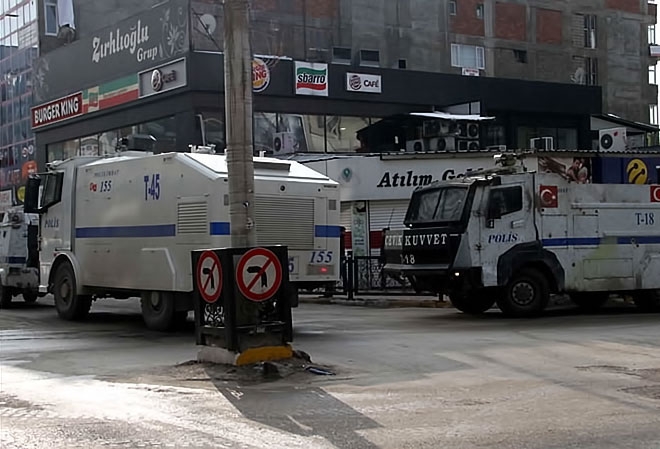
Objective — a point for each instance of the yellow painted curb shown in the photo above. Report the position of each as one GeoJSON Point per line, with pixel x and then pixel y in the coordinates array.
{"type": "Point", "coordinates": [267, 353]}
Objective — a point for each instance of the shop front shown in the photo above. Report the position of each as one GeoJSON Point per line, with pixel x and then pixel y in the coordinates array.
{"type": "Point", "coordinates": [134, 79]}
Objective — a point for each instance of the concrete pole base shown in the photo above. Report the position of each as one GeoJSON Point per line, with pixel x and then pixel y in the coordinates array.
{"type": "Point", "coordinates": [221, 356]}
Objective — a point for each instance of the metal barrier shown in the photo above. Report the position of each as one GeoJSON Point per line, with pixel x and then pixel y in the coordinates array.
{"type": "Point", "coordinates": [364, 274]}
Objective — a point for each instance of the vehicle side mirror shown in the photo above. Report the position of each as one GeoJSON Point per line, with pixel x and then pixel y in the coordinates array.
{"type": "Point", "coordinates": [31, 203]}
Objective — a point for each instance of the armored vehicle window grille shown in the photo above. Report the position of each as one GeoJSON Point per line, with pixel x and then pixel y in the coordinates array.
{"type": "Point", "coordinates": [192, 218]}
{"type": "Point", "coordinates": [285, 221]}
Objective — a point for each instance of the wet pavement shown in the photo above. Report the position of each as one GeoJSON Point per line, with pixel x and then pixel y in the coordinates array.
{"type": "Point", "coordinates": [404, 378]}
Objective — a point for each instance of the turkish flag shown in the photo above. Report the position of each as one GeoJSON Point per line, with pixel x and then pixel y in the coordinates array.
{"type": "Point", "coordinates": [655, 194]}
{"type": "Point", "coordinates": [549, 197]}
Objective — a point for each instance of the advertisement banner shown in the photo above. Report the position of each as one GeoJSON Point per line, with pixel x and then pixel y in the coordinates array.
{"type": "Point", "coordinates": [311, 79]}
{"type": "Point", "coordinates": [152, 37]}
{"type": "Point", "coordinates": [360, 82]}
{"type": "Point", "coordinates": [6, 199]}
{"type": "Point", "coordinates": [573, 169]}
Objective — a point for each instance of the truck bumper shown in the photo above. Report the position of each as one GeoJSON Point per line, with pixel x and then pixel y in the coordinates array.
{"type": "Point", "coordinates": [438, 279]}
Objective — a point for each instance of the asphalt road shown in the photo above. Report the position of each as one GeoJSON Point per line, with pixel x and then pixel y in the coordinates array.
{"type": "Point", "coordinates": [405, 378]}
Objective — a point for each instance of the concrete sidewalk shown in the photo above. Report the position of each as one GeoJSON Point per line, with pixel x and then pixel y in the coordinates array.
{"type": "Point", "coordinates": [382, 301]}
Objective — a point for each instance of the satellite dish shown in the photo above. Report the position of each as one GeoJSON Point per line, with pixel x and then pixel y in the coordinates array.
{"type": "Point", "coordinates": [208, 23]}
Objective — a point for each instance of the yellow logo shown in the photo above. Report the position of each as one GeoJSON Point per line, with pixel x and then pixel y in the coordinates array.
{"type": "Point", "coordinates": [21, 194]}
{"type": "Point", "coordinates": [637, 172]}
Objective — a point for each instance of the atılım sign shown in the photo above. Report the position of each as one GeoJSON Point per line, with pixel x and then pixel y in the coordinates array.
{"type": "Point", "coordinates": [311, 79]}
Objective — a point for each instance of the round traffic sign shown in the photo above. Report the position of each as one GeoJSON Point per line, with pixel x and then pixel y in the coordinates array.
{"type": "Point", "coordinates": [259, 274]}
{"type": "Point", "coordinates": [209, 276]}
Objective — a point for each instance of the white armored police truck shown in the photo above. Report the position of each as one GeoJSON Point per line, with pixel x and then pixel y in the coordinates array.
{"type": "Point", "coordinates": [510, 237]}
{"type": "Point", "coordinates": [124, 226]}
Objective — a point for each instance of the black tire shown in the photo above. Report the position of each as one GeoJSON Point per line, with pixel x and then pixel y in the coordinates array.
{"type": "Point", "coordinates": [590, 301]}
{"type": "Point", "coordinates": [472, 303]}
{"type": "Point", "coordinates": [158, 311]}
{"type": "Point", "coordinates": [70, 305]}
{"type": "Point", "coordinates": [526, 295]}
{"type": "Point", "coordinates": [647, 301]}
{"type": "Point", "coordinates": [30, 296]}
{"type": "Point", "coordinates": [5, 298]}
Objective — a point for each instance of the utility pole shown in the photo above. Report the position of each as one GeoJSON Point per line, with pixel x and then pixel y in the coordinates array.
{"type": "Point", "coordinates": [238, 122]}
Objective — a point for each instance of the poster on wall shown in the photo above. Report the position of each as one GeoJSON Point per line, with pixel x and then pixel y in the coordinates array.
{"type": "Point", "coordinates": [311, 79]}
{"type": "Point", "coordinates": [577, 169]}
{"type": "Point", "coordinates": [6, 199]}
{"type": "Point", "coordinates": [359, 229]}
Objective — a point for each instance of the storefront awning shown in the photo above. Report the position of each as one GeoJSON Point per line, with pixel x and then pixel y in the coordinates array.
{"type": "Point", "coordinates": [447, 116]}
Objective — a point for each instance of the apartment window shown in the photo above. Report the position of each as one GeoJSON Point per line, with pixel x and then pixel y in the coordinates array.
{"type": "Point", "coordinates": [468, 56]}
{"type": "Point", "coordinates": [590, 31]}
{"type": "Point", "coordinates": [653, 74]}
{"type": "Point", "coordinates": [520, 56]}
{"type": "Point", "coordinates": [653, 114]}
{"type": "Point", "coordinates": [50, 17]}
{"type": "Point", "coordinates": [651, 34]}
{"type": "Point", "coordinates": [452, 8]}
{"type": "Point", "coordinates": [480, 11]}
{"type": "Point", "coordinates": [592, 71]}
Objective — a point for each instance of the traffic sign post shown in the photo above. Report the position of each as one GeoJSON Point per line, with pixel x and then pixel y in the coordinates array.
{"type": "Point", "coordinates": [243, 299]}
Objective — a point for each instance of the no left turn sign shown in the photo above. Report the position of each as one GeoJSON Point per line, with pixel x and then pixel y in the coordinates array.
{"type": "Point", "coordinates": [259, 274]}
{"type": "Point", "coordinates": [209, 276]}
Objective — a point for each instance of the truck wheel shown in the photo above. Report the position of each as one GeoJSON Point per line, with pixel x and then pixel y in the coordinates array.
{"type": "Point", "coordinates": [589, 301]}
{"type": "Point", "coordinates": [526, 295]}
{"type": "Point", "coordinates": [647, 300]}
{"type": "Point", "coordinates": [30, 296]}
{"type": "Point", "coordinates": [158, 311]}
{"type": "Point", "coordinates": [5, 297]}
{"type": "Point", "coordinates": [70, 305]}
{"type": "Point", "coordinates": [472, 303]}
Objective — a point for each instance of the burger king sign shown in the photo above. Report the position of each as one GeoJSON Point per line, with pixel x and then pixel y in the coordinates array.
{"type": "Point", "coordinates": [260, 75]}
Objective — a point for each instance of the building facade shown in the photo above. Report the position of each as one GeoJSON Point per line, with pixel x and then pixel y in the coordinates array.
{"type": "Point", "coordinates": [18, 49]}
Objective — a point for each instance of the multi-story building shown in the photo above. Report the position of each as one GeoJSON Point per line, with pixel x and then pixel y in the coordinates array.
{"type": "Point", "coordinates": [542, 69]}
{"type": "Point", "coordinates": [18, 49]}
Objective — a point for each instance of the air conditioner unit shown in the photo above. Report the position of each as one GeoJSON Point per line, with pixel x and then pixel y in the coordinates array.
{"type": "Point", "coordinates": [415, 146]}
{"type": "Point", "coordinates": [442, 144]}
{"type": "Point", "coordinates": [542, 143]}
{"type": "Point", "coordinates": [468, 145]}
{"type": "Point", "coordinates": [613, 139]}
{"type": "Point", "coordinates": [284, 143]}
{"type": "Point", "coordinates": [468, 130]}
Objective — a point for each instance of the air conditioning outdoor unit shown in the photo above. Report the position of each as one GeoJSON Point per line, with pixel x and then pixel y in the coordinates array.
{"type": "Point", "coordinates": [468, 145]}
{"type": "Point", "coordinates": [468, 130]}
{"type": "Point", "coordinates": [613, 139]}
{"type": "Point", "coordinates": [542, 143]}
{"type": "Point", "coordinates": [415, 146]}
{"type": "Point", "coordinates": [284, 143]}
{"type": "Point", "coordinates": [442, 144]}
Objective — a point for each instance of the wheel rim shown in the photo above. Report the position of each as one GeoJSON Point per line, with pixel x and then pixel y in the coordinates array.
{"type": "Point", "coordinates": [65, 291]}
{"type": "Point", "coordinates": [523, 293]}
{"type": "Point", "coordinates": [155, 302]}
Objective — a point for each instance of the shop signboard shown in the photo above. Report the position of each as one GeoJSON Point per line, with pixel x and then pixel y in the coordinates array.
{"type": "Point", "coordinates": [152, 37]}
{"type": "Point", "coordinates": [163, 78]}
{"type": "Point", "coordinates": [361, 82]}
{"type": "Point", "coordinates": [372, 178]}
{"type": "Point", "coordinates": [311, 79]}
